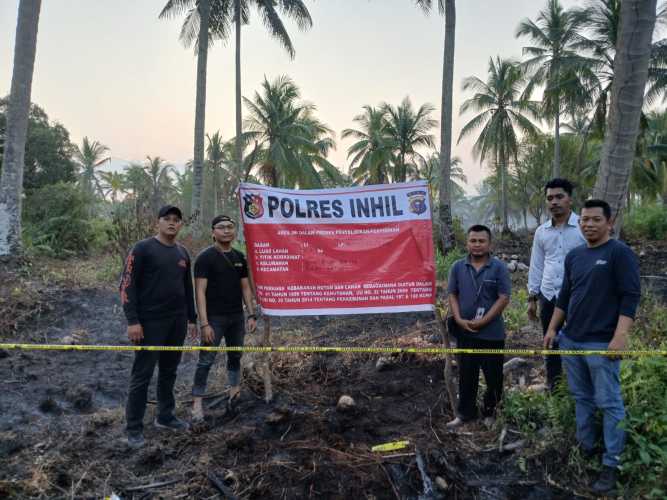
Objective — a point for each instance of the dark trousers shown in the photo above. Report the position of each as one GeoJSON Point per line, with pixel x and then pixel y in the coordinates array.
{"type": "Point", "coordinates": [469, 366]}
{"type": "Point", "coordinates": [162, 332]}
{"type": "Point", "coordinates": [552, 364]}
{"type": "Point", "coordinates": [232, 328]}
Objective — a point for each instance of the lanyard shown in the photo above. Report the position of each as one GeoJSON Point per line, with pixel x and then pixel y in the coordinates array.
{"type": "Point", "coordinates": [474, 280]}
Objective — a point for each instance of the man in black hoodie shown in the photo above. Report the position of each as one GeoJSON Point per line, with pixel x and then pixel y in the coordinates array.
{"type": "Point", "coordinates": [158, 301]}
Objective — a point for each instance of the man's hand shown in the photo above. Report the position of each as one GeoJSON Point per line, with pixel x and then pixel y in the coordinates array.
{"type": "Point", "coordinates": [549, 339]}
{"type": "Point", "coordinates": [466, 325]}
{"type": "Point", "coordinates": [532, 310]}
{"type": "Point", "coordinates": [207, 334]}
{"type": "Point", "coordinates": [192, 331]}
{"type": "Point", "coordinates": [135, 333]}
{"type": "Point", "coordinates": [477, 324]}
{"type": "Point", "coordinates": [618, 343]}
{"type": "Point", "coordinates": [252, 325]}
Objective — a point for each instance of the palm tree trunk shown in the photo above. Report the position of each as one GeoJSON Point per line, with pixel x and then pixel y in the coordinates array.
{"type": "Point", "coordinates": [200, 112]}
{"type": "Point", "coordinates": [237, 19]}
{"type": "Point", "coordinates": [627, 97]}
{"type": "Point", "coordinates": [503, 187]}
{"type": "Point", "coordinates": [402, 170]}
{"type": "Point", "coordinates": [556, 166]}
{"type": "Point", "coordinates": [216, 184]}
{"type": "Point", "coordinates": [11, 181]}
{"type": "Point", "coordinates": [445, 191]}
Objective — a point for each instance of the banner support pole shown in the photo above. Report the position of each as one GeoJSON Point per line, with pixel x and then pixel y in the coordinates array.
{"type": "Point", "coordinates": [266, 361]}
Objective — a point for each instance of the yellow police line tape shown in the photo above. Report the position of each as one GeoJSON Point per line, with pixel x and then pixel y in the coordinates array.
{"type": "Point", "coordinates": [322, 349]}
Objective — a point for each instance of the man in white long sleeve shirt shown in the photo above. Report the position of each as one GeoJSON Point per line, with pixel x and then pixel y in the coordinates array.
{"type": "Point", "coordinates": [551, 243]}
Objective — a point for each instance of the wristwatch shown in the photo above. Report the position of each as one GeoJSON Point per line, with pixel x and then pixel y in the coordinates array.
{"type": "Point", "coordinates": [253, 316]}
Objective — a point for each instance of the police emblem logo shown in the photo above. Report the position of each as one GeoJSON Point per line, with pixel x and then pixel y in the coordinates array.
{"type": "Point", "coordinates": [417, 202]}
{"type": "Point", "coordinates": [253, 206]}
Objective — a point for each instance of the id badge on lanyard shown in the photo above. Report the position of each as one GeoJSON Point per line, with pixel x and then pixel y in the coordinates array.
{"type": "Point", "coordinates": [479, 313]}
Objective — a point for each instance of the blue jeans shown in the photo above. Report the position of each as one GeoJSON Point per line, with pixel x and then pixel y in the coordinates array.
{"type": "Point", "coordinates": [594, 382]}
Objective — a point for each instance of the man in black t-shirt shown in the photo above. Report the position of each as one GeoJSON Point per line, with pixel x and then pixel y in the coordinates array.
{"type": "Point", "coordinates": [222, 285]}
{"type": "Point", "coordinates": [158, 302]}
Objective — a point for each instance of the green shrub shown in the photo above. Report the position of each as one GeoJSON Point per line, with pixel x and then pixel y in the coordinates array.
{"type": "Point", "coordinates": [647, 221]}
{"type": "Point", "coordinates": [109, 268]}
{"type": "Point", "coordinates": [459, 231]}
{"type": "Point", "coordinates": [443, 263]}
{"type": "Point", "coordinates": [530, 411]}
{"type": "Point", "coordinates": [516, 314]}
{"type": "Point", "coordinates": [57, 221]}
{"type": "Point", "coordinates": [644, 384]}
{"type": "Point", "coordinates": [99, 234]}
{"type": "Point", "coordinates": [651, 322]}
{"type": "Point", "coordinates": [128, 225]}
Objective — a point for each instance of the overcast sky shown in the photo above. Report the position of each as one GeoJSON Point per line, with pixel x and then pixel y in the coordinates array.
{"type": "Point", "coordinates": [114, 72]}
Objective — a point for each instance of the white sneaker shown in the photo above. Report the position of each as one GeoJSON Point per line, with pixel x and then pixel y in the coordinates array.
{"type": "Point", "coordinates": [457, 422]}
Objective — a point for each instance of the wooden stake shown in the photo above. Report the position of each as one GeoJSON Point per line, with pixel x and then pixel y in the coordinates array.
{"type": "Point", "coordinates": [449, 372]}
{"type": "Point", "coordinates": [266, 361]}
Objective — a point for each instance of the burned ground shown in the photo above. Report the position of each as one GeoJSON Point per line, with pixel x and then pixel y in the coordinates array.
{"type": "Point", "coordinates": [61, 414]}
{"type": "Point", "coordinates": [61, 420]}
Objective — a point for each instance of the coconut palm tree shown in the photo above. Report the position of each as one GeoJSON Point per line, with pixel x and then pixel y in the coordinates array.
{"type": "Point", "coordinates": [650, 164]}
{"type": "Point", "coordinates": [428, 169]}
{"type": "Point", "coordinates": [183, 187]}
{"type": "Point", "coordinates": [657, 71]}
{"type": "Point", "coordinates": [138, 187]}
{"type": "Point", "coordinates": [89, 156]}
{"type": "Point", "coordinates": [113, 184]}
{"type": "Point", "coordinates": [408, 130]}
{"type": "Point", "coordinates": [215, 160]}
{"type": "Point", "coordinates": [203, 8]}
{"type": "Point", "coordinates": [11, 180]}
{"type": "Point", "coordinates": [224, 14]}
{"type": "Point", "coordinates": [371, 154]}
{"type": "Point", "coordinates": [291, 143]}
{"type": "Point", "coordinates": [448, 8]}
{"type": "Point", "coordinates": [270, 12]}
{"type": "Point", "coordinates": [627, 97]}
{"type": "Point", "coordinates": [603, 24]}
{"type": "Point", "coordinates": [160, 184]}
{"type": "Point", "coordinates": [555, 60]}
{"type": "Point", "coordinates": [503, 113]}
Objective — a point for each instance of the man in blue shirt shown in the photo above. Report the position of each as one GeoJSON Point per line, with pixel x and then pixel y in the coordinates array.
{"type": "Point", "coordinates": [479, 289]}
{"type": "Point", "coordinates": [598, 301]}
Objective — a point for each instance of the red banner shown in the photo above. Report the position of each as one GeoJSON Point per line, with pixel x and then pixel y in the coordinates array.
{"type": "Point", "coordinates": [340, 251]}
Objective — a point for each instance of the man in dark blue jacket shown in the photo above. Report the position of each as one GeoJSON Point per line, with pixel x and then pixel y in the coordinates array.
{"type": "Point", "coordinates": [598, 302]}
